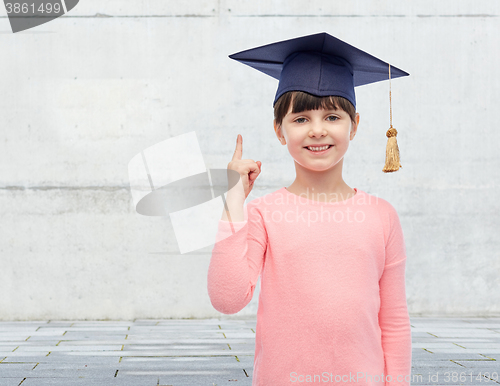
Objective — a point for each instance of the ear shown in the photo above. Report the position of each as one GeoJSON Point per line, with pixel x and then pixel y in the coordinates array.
{"type": "Point", "coordinates": [279, 134]}
{"type": "Point", "coordinates": [354, 126]}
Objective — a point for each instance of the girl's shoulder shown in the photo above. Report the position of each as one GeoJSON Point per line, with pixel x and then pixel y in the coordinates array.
{"type": "Point", "coordinates": [388, 216]}
{"type": "Point", "coordinates": [380, 207]}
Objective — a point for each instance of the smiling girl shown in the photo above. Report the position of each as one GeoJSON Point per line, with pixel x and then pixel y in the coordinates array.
{"type": "Point", "coordinates": [331, 259]}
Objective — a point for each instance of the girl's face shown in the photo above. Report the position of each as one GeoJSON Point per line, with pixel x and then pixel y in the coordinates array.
{"type": "Point", "coordinates": [317, 127]}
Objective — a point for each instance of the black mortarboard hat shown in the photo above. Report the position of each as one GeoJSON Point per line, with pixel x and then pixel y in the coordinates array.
{"type": "Point", "coordinates": [322, 65]}
{"type": "Point", "coordinates": [318, 64]}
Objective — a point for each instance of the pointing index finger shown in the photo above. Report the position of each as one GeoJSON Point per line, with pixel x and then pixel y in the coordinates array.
{"type": "Point", "coordinates": [239, 148]}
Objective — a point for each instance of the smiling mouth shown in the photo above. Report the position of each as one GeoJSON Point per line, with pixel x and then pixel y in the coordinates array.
{"type": "Point", "coordinates": [318, 151]}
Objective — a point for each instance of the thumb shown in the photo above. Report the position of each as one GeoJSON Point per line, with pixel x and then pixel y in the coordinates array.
{"type": "Point", "coordinates": [252, 176]}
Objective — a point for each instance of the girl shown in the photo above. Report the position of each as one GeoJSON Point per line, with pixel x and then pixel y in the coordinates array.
{"type": "Point", "coordinates": [332, 304]}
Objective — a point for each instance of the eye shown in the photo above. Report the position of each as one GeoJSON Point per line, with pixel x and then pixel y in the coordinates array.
{"type": "Point", "coordinates": [333, 118]}
{"type": "Point", "coordinates": [300, 120]}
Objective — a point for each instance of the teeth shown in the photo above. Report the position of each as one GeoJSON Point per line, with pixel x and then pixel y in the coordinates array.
{"type": "Point", "coordinates": [318, 148]}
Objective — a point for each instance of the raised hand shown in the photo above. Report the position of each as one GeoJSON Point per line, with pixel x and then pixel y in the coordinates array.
{"type": "Point", "coordinates": [248, 170]}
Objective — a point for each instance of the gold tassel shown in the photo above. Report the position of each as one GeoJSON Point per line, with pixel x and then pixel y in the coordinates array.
{"type": "Point", "coordinates": [392, 152]}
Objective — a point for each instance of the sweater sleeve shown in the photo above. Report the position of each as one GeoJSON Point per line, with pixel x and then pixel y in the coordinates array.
{"type": "Point", "coordinates": [236, 262]}
{"type": "Point", "coordinates": [394, 319]}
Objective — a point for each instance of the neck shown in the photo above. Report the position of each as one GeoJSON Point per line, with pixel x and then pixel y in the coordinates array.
{"type": "Point", "coordinates": [330, 182]}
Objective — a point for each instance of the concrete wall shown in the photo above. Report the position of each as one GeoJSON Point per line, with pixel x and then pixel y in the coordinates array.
{"type": "Point", "coordinates": [86, 92]}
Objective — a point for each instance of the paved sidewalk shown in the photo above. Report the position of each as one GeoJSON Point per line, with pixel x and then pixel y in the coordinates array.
{"type": "Point", "coordinates": [212, 352]}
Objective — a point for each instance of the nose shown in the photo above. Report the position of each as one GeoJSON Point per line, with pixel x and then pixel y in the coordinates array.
{"type": "Point", "coordinates": [317, 129]}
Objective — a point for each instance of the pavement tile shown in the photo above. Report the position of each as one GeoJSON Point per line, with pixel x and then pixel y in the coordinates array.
{"type": "Point", "coordinates": [185, 364]}
{"type": "Point", "coordinates": [95, 335]}
{"type": "Point", "coordinates": [69, 348]}
{"type": "Point", "coordinates": [5, 329]}
{"type": "Point", "coordinates": [175, 346]}
{"type": "Point", "coordinates": [59, 323]}
{"type": "Point", "coordinates": [8, 381]}
{"type": "Point", "coordinates": [489, 355]}
{"type": "Point", "coordinates": [97, 342]}
{"type": "Point", "coordinates": [115, 329]}
{"type": "Point", "coordinates": [243, 334]}
{"type": "Point", "coordinates": [72, 373]}
{"type": "Point", "coordinates": [55, 358]}
{"type": "Point", "coordinates": [7, 348]}
{"type": "Point", "coordinates": [103, 323]}
{"type": "Point", "coordinates": [480, 365]}
{"type": "Point", "coordinates": [52, 342]}
{"type": "Point", "coordinates": [13, 336]}
{"type": "Point", "coordinates": [15, 370]}
{"type": "Point", "coordinates": [24, 353]}
{"type": "Point", "coordinates": [43, 338]}
{"type": "Point", "coordinates": [220, 339]}
{"type": "Point", "coordinates": [464, 350]}
{"type": "Point", "coordinates": [479, 345]}
{"type": "Point", "coordinates": [125, 381]}
{"type": "Point", "coordinates": [162, 353]}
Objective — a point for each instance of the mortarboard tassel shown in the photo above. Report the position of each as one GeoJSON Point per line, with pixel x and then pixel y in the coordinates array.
{"type": "Point", "coordinates": [392, 151]}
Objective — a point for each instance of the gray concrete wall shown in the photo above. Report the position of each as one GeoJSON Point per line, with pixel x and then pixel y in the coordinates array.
{"type": "Point", "coordinates": [86, 92]}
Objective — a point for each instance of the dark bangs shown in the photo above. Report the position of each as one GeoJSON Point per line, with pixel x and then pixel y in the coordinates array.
{"type": "Point", "coordinates": [303, 101]}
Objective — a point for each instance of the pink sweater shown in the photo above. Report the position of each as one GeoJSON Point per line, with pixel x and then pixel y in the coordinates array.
{"type": "Point", "coordinates": [332, 304]}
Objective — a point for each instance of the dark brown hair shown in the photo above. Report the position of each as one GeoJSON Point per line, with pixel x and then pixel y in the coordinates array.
{"type": "Point", "coordinates": [303, 101]}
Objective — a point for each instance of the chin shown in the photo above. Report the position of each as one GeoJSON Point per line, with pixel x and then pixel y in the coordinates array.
{"type": "Point", "coordinates": [317, 168]}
